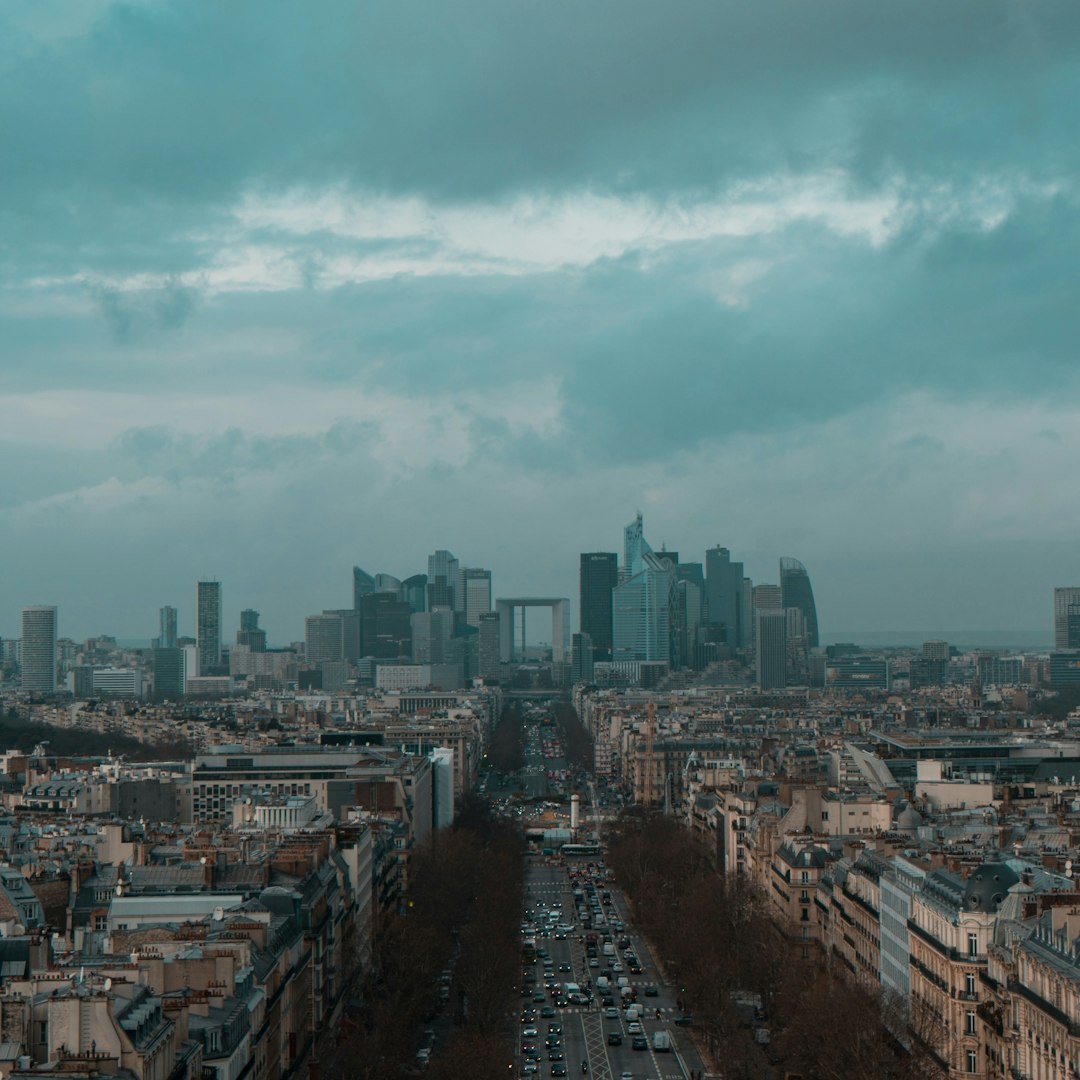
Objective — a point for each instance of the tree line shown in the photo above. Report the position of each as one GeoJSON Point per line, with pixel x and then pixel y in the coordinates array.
{"type": "Point", "coordinates": [461, 913]}
{"type": "Point", "coordinates": [758, 1004]}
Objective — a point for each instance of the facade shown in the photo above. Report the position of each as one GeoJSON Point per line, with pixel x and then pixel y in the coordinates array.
{"type": "Point", "coordinates": [488, 645]}
{"type": "Point", "coordinates": [476, 586]}
{"type": "Point", "coordinates": [249, 633]}
{"type": "Point", "coordinates": [581, 659]}
{"type": "Point", "coordinates": [431, 633]}
{"type": "Point", "coordinates": [167, 628]}
{"type": "Point", "coordinates": [324, 637]}
{"type": "Point", "coordinates": [797, 593]}
{"type": "Point", "coordinates": [442, 587]}
{"type": "Point", "coordinates": [363, 584]}
{"type": "Point", "coordinates": [38, 661]}
{"type": "Point", "coordinates": [1065, 668]}
{"type": "Point", "coordinates": [385, 626]}
{"type": "Point", "coordinates": [725, 595]}
{"type": "Point", "coordinates": [770, 649]}
{"type": "Point", "coordinates": [117, 682]}
{"type": "Point", "coordinates": [598, 576]}
{"type": "Point", "coordinates": [1066, 603]}
{"type": "Point", "coordinates": [857, 673]}
{"type": "Point", "coordinates": [208, 625]}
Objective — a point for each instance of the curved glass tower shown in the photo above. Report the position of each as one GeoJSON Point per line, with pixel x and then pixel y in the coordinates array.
{"type": "Point", "coordinates": [797, 593]}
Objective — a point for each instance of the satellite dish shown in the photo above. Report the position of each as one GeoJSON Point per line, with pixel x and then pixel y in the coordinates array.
{"type": "Point", "coordinates": [203, 860]}
{"type": "Point", "coordinates": [108, 984]}
{"type": "Point", "coordinates": [219, 914]}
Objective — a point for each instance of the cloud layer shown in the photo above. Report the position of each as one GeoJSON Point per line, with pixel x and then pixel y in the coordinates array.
{"type": "Point", "coordinates": [283, 290]}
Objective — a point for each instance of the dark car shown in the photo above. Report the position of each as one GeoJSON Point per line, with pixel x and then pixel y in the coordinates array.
{"type": "Point", "coordinates": [614, 1038]}
{"type": "Point", "coordinates": [651, 991]}
{"type": "Point", "coordinates": [548, 1011]}
{"type": "Point", "coordinates": [640, 1042]}
{"type": "Point", "coordinates": [554, 1029]}
{"type": "Point", "coordinates": [555, 1054]}
{"type": "Point", "coordinates": [558, 1069]}
{"type": "Point", "coordinates": [686, 1020]}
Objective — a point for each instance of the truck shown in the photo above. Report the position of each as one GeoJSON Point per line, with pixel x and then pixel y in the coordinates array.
{"type": "Point", "coordinates": [661, 1042]}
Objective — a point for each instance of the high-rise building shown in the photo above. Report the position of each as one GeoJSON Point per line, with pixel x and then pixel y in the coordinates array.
{"type": "Point", "coordinates": [167, 628]}
{"type": "Point", "coordinates": [385, 630]}
{"type": "Point", "coordinates": [431, 633]}
{"type": "Point", "coordinates": [724, 593]}
{"type": "Point", "coordinates": [797, 593]}
{"type": "Point", "coordinates": [476, 589]}
{"type": "Point", "coordinates": [442, 572]}
{"type": "Point", "coordinates": [599, 575]}
{"type": "Point", "coordinates": [170, 672]}
{"type": "Point", "coordinates": [935, 650]}
{"type": "Point", "coordinates": [642, 603]}
{"type": "Point", "coordinates": [770, 648]}
{"type": "Point", "coordinates": [414, 591]}
{"type": "Point", "coordinates": [581, 658]}
{"type": "Point", "coordinates": [387, 583]}
{"type": "Point", "coordinates": [363, 584]}
{"type": "Point", "coordinates": [768, 598]}
{"type": "Point", "coordinates": [249, 633]}
{"type": "Point", "coordinates": [324, 637]}
{"type": "Point", "coordinates": [208, 626]}
{"type": "Point", "coordinates": [38, 663]}
{"type": "Point", "coordinates": [488, 646]}
{"type": "Point", "coordinates": [1066, 598]}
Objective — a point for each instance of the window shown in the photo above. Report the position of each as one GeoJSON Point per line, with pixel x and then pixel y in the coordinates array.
{"type": "Point", "coordinates": [969, 1025]}
{"type": "Point", "coordinates": [805, 878]}
{"type": "Point", "coordinates": [973, 944]}
{"type": "Point", "coordinates": [973, 1061]}
{"type": "Point", "coordinates": [969, 982]}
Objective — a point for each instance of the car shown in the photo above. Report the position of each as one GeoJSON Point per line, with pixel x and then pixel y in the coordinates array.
{"type": "Point", "coordinates": [539, 997]}
{"type": "Point", "coordinates": [558, 1068]}
{"type": "Point", "coordinates": [555, 1054]}
{"type": "Point", "coordinates": [635, 969]}
{"type": "Point", "coordinates": [686, 1020]}
{"type": "Point", "coordinates": [530, 1068]}
{"type": "Point", "coordinates": [614, 1038]}
{"type": "Point", "coordinates": [423, 1055]}
{"type": "Point", "coordinates": [635, 1028]}
{"type": "Point", "coordinates": [554, 1029]}
{"type": "Point", "coordinates": [548, 1011]}
{"type": "Point", "coordinates": [611, 1013]}
{"type": "Point", "coordinates": [564, 967]}
{"type": "Point", "coordinates": [593, 962]}
{"type": "Point", "coordinates": [528, 1016]}
{"type": "Point", "coordinates": [651, 991]}
{"type": "Point", "coordinates": [640, 1042]}
{"type": "Point", "coordinates": [626, 1074]}
{"type": "Point", "coordinates": [530, 1032]}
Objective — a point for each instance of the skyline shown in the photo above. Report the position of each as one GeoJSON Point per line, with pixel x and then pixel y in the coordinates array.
{"type": "Point", "coordinates": [281, 294]}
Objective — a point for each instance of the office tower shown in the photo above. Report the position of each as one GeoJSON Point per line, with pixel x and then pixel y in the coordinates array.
{"type": "Point", "coordinates": [598, 577]}
{"type": "Point", "coordinates": [1066, 598]}
{"type": "Point", "coordinates": [324, 637]}
{"type": "Point", "coordinates": [431, 634]}
{"type": "Point", "coordinates": [350, 632]}
{"type": "Point", "coordinates": [38, 663]}
{"type": "Point", "coordinates": [170, 678]}
{"type": "Point", "coordinates": [935, 650]}
{"type": "Point", "coordinates": [724, 593]}
{"type": "Point", "coordinates": [414, 592]}
{"type": "Point", "coordinates": [768, 598]}
{"type": "Point", "coordinates": [363, 584]}
{"type": "Point", "coordinates": [385, 630]}
{"type": "Point", "coordinates": [249, 633]}
{"type": "Point", "coordinates": [476, 594]}
{"type": "Point", "coordinates": [488, 646]}
{"type": "Point", "coordinates": [770, 648]}
{"type": "Point", "coordinates": [442, 572]}
{"type": "Point", "coordinates": [581, 659]}
{"type": "Point", "coordinates": [167, 628]}
{"type": "Point", "coordinates": [797, 593]}
{"type": "Point", "coordinates": [641, 605]}
{"type": "Point", "coordinates": [208, 626]}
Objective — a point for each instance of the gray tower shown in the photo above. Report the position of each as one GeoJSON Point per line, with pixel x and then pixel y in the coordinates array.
{"type": "Point", "coordinates": [208, 625]}
{"type": "Point", "coordinates": [38, 663]}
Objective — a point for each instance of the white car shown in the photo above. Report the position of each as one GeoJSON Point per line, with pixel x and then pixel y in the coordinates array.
{"type": "Point", "coordinates": [634, 1027]}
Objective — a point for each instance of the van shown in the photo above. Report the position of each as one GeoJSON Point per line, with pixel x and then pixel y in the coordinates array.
{"type": "Point", "coordinates": [602, 983]}
{"type": "Point", "coordinates": [609, 949]}
{"type": "Point", "coordinates": [633, 1012]}
{"type": "Point", "coordinates": [661, 1042]}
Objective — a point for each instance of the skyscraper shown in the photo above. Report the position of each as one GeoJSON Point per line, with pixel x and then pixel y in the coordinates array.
{"type": "Point", "coordinates": [476, 587]}
{"type": "Point", "coordinates": [363, 584]}
{"type": "Point", "coordinates": [771, 648]}
{"type": "Point", "coordinates": [208, 625]}
{"type": "Point", "coordinates": [324, 637]}
{"type": "Point", "coordinates": [249, 633]}
{"type": "Point", "coordinates": [38, 663]}
{"type": "Point", "coordinates": [442, 572]}
{"type": "Point", "coordinates": [414, 590]}
{"type": "Point", "coordinates": [488, 646]}
{"type": "Point", "coordinates": [599, 575]}
{"type": "Point", "coordinates": [385, 630]}
{"type": "Point", "coordinates": [581, 659]}
{"type": "Point", "coordinates": [167, 628]}
{"type": "Point", "coordinates": [797, 593]}
{"type": "Point", "coordinates": [724, 593]}
{"type": "Point", "coordinates": [641, 606]}
{"type": "Point", "coordinates": [1064, 599]}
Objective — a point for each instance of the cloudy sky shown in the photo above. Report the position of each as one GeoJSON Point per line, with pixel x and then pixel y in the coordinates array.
{"type": "Point", "coordinates": [287, 287]}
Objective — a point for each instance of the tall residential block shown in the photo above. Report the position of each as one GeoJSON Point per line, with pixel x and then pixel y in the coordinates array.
{"type": "Point", "coordinates": [38, 662]}
{"type": "Point", "coordinates": [208, 625]}
{"type": "Point", "coordinates": [599, 574]}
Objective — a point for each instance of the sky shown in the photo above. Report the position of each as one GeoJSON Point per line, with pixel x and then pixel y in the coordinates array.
{"type": "Point", "coordinates": [288, 287]}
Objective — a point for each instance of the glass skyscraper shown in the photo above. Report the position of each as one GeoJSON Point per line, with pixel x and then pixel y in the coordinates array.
{"type": "Point", "coordinates": [598, 578]}
{"type": "Point", "coordinates": [208, 625]}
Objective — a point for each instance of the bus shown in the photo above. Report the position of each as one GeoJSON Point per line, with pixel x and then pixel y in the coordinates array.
{"type": "Point", "coordinates": [579, 851]}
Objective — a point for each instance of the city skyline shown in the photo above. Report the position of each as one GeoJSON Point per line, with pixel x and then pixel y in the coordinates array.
{"type": "Point", "coordinates": [789, 278]}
